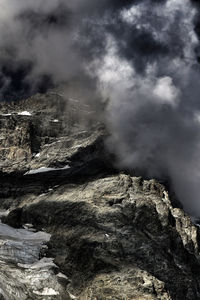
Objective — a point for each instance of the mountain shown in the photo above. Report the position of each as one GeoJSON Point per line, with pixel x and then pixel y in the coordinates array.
{"type": "Point", "coordinates": [89, 231]}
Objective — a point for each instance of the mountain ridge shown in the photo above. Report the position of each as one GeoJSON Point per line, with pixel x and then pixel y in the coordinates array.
{"type": "Point", "coordinates": [113, 235]}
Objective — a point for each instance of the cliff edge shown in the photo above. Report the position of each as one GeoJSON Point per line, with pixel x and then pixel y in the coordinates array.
{"type": "Point", "coordinates": [113, 235]}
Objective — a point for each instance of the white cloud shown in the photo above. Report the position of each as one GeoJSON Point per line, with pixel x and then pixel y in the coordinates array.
{"type": "Point", "coordinates": [166, 92]}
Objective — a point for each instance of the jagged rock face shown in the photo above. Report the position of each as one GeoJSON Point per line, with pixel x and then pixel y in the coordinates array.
{"type": "Point", "coordinates": [35, 282]}
{"type": "Point", "coordinates": [43, 131]}
{"type": "Point", "coordinates": [22, 274]}
{"type": "Point", "coordinates": [120, 237]}
{"type": "Point", "coordinates": [113, 235]}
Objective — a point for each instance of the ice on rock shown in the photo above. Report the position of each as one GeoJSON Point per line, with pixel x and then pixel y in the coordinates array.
{"type": "Point", "coordinates": [45, 262]}
{"type": "Point", "coordinates": [22, 273]}
{"type": "Point", "coordinates": [24, 113]}
{"type": "Point", "coordinates": [47, 292]}
{"type": "Point", "coordinates": [21, 245]}
{"type": "Point", "coordinates": [46, 169]}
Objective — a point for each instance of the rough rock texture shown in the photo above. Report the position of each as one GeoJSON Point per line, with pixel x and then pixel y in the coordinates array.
{"type": "Point", "coordinates": [113, 235]}
{"type": "Point", "coordinates": [44, 131]}
{"type": "Point", "coordinates": [23, 275]}
{"type": "Point", "coordinates": [35, 282]}
{"type": "Point", "coordinates": [118, 238]}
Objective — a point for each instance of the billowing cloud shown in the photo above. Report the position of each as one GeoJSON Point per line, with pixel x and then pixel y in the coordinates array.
{"type": "Point", "coordinates": [142, 55]}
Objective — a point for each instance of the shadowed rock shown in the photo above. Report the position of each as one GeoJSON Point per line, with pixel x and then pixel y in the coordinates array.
{"type": "Point", "coordinates": [113, 235]}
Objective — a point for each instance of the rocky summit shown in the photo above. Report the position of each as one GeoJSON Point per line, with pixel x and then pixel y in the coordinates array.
{"type": "Point", "coordinates": [73, 226]}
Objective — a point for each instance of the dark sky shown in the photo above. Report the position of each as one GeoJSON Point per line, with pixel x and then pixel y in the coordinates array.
{"type": "Point", "coordinates": [45, 43]}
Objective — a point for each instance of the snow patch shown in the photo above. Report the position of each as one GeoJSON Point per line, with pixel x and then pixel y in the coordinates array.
{"type": "Point", "coordinates": [46, 169]}
{"type": "Point", "coordinates": [6, 115]}
{"type": "Point", "coordinates": [44, 263]}
{"type": "Point", "coordinates": [3, 213]}
{"type": "Point", "coordinates": [61, 275]}
{"type": "Point", "coordinates": [24, 113]}
{"type": "Point", "coordinates": [9, 233]}
{"type": "Point", "coordinates": [21, 245]}
{"type": "Point", "coordinates": [41, 195]}
{"type": "Point", "coordinates": [72, 296]}
{"type": "Point", "coordinates": [47, 292]}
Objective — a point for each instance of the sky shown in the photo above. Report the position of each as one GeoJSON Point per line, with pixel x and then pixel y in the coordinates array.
{"type": "Point", "coordinates": [141, 55]}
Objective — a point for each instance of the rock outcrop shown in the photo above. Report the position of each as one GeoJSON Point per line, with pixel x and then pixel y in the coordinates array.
{"type": "Point", "coordinates": [23, 275]}
{"type": "Point", "coordinates": [114, 236]}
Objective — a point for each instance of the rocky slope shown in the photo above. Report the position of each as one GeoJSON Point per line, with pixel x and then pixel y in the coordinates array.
{"type": "Point", "coordinates": [23, 275]}
{"type": "Point", "coordinates": [113, 236]}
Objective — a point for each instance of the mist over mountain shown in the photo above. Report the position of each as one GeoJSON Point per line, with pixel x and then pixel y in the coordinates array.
{"type": "Point", "coordinates": [141, 55]}
{"type": "Point", "coordinates": [99, 149]}
{"type": "Point", "coordinates": [46, 43]}
{"type": "Point", "coordinates": [77, 227]}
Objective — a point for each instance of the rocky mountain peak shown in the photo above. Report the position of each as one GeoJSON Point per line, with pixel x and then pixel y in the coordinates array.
{"type": "Point", "coordinates": [111, 235]}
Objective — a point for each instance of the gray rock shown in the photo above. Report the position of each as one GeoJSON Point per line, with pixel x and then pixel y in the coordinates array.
{"type": "Point", "coordinates": [23, 275]}
{"type": "Point", "coordinates": [118, 229]}
{"type": "Point", "coordinates": [113, 236]}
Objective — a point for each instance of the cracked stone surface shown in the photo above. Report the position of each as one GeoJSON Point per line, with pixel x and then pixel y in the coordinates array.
{"type": "Point", "coordinates": [113, 235]}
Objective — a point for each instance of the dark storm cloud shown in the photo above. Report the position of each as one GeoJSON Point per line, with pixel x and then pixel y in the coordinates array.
{"type": "Point", "coordinates": [152, 77]}
{"type": "Point", "coordinates": [59, 17]}
{"type": "Point", "coordinates": [58, 38]}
